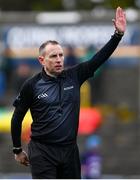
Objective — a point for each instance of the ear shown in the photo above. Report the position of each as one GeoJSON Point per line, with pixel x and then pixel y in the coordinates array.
{"type": "Point", "coordinates": [41, 60]}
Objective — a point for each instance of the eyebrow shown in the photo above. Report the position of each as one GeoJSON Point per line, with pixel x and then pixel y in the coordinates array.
{"type": "Point", "coordinates": [55, 55]}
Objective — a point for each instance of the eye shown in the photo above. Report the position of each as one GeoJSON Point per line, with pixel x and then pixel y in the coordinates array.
{"type": "Point", "coordinates": [61, 55]}
{"type": "Point", "coordinates": [53, 56]}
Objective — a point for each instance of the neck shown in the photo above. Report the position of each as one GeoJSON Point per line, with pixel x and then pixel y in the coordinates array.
{"type": "Point", "coordinates": [48, 73]}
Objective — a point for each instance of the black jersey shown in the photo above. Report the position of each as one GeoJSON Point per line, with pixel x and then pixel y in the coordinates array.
{"type": "Point", "coordinates": [55, 102]}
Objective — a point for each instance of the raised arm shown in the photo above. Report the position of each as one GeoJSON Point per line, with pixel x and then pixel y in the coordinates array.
{"type": "Point", "coordinates": [87, 69]}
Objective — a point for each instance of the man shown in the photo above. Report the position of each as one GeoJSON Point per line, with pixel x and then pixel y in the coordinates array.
{"type": "Point", "coordinates": [53, 97]}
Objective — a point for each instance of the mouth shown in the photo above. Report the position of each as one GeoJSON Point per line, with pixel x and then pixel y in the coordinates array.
{"type": "Point", "coordinates": [58, 67]}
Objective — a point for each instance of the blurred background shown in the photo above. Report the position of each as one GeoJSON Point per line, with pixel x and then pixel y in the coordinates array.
{"type": "Point", "coordinates": [109, 129]}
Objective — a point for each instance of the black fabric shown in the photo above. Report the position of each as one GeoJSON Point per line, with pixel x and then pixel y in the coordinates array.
{"type": "Point", "coordinates": [55, 102]}
{"type": "Point", "coordinates": [86, 69]}
{"type": "Point", "coordinates": [54, 162]}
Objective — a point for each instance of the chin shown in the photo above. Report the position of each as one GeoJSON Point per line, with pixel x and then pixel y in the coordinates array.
{"type": "Point", "coordinates": [59, 72]}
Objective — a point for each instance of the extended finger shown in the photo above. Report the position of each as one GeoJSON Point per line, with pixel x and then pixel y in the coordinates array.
{"type": "Point", "coordinates": [119, 12]}
{"type": "Point", "coordinates": [124, 15]}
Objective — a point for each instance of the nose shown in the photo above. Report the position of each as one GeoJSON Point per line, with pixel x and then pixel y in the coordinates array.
{"type": "Point", "coordinates": [59, 58]}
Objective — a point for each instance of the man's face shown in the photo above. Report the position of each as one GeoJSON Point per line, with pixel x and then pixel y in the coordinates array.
{"type": "Point", "coordinates": [53, 60]}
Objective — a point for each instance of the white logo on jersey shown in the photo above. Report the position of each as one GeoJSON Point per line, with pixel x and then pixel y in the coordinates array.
{"type": "Point", "coordinates": [43, 95]}
{"type": "Point", "coordinates": [67, 88]}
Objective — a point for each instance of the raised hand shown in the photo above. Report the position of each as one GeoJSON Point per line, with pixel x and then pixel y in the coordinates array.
{"type": "Point", "coordinates": [120, 20]}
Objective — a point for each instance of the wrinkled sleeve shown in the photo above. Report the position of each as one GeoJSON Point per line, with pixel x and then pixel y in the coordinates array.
{"type": "Point", "coordinates": [87, 69]}
{"type": "Point", "coordinates": [22, 103]}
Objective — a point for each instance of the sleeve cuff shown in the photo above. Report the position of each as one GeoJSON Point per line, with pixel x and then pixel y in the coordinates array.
{"type": "Point", "coordinates": [118, 34]}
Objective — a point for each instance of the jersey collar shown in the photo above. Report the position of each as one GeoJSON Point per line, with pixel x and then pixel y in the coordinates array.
{"type": "Point", "coordinates": [47, 77]}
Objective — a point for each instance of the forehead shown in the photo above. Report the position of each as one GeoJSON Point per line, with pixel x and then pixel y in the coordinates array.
{"type": "Point", "coordinates": [53, 48]}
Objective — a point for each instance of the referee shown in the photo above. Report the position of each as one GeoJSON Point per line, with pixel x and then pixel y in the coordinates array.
{"type": "Point", "coordinates": [53, 97]}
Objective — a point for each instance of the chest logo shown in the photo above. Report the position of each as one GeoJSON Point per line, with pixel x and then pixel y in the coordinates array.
{"type": "Point", "coordinates": [67, 88]}
{"type": "Point", "coordinates": [43, 95]}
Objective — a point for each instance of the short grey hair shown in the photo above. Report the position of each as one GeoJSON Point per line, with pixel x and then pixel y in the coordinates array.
{"type": "Point", "coordinates": [42, 47]}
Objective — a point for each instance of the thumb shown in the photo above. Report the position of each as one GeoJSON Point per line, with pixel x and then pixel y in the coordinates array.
{"type": "Point", "coordinates": [114, 22]}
